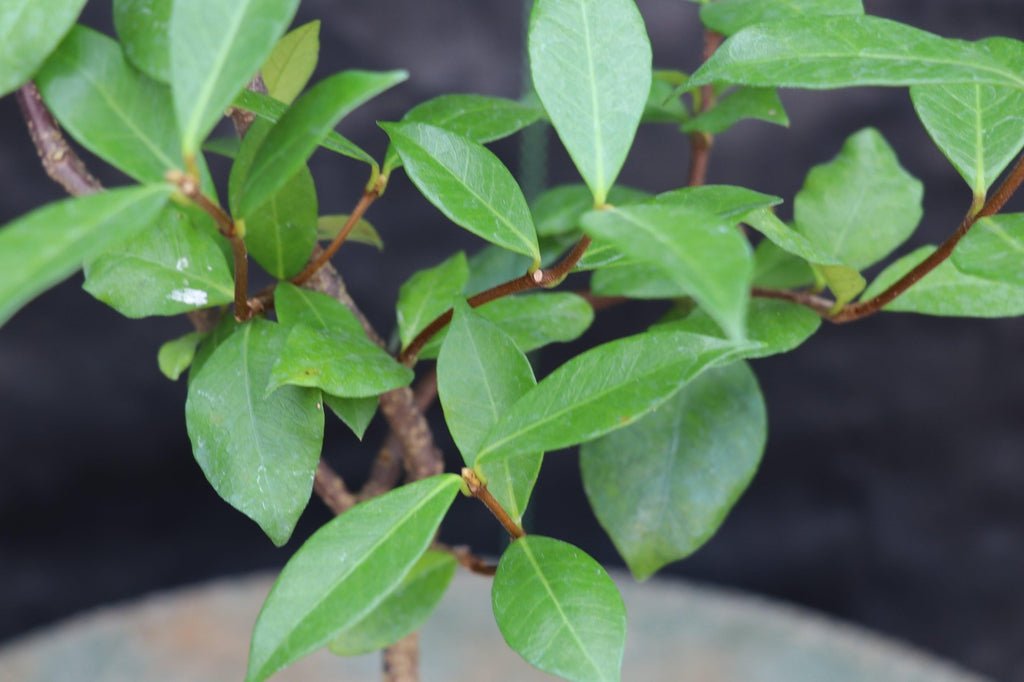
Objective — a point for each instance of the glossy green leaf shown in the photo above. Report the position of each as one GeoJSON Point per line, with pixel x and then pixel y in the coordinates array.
{"type": "Point", "coordinates": [704, 255]}
{"type": "Point", "coordinates": [295, 137]}
{"type": "Point", "coordinates": [778, 326]}
{"type": "Point", "coordinates": [226, 146]}
{"type": "Point", "coordinates": [224, 328]}
{"type": "Point", "coordinates": [860, 206]}
{"type": "Point", "coordinates": [114, 111]}
{"type": "Point", "coordinates": [591, 66]}
{"type": "Point", "coordinates": [345, 570]}
{"type": "Point", "coordinates": [355, 412]}
{"type": "Point", "coordinates": [663, 486]}
{"type": "Point", "coordinates": [730, 16]}
{"type": "Point", "coordinates": [47, 245]}
{"type": "Point", "coordinates": [327, 348]}
{"type": "Point", "coordinates": [636, 280]}
{"type": "Point", "coordinates": [168, 269]}
{"type": "Point", "coordinates": [980, 128]}
{"type": "Point", "coordinates": [216, 47]}
{"type": "Point", "coordinates": [845, 51]}
{"type": "Point", "coordinates": [29, 31]}
{"type": "Point", "coordinates": [532, 320]}
{"type": "Point", "coordinates": [947, 291]}
{"type": "Point", "coordinates": [994, 249]}
{"type": "Point", "coordinates": [558, 210]}
{"type": "Point", "coordinates": [728, 202]}
{"type": "Point", "coordinates": [786, 238]}
{"type": "Point", "coordinates": [282, 232]}
{"type": "Point", "coordinates": [403, 611]}
{"type": "Point", "coordinates": [258, 451]}
{"type": "Point", "coordinates": [775, 268]}
{"type": "Point", "coordinates": [844, 282]}
{"type": "Point", "coordinates": [663, 103]}
{"type": "Point", "coordinates": [467, 183]}
{"type": "Point", "coordinates": [428, 294]}
{"type": "Point", "coordinates": [269, 109]}
{"type": "Point", "coordinates": [762, 104]}
{"type": "Point", "coordinates": [142, 26]}
{"type": "Point", "coordinates": [328, 227]}
{"type": "Point", "coordinates": [559, 610]}
{"type": "Point", "coordinates": [476, 117]}
{"type": "Point", "coordinates": [175, 356]}
{"type": "Point", "coordinates": [604, 389]}
{"type": "Point", "coordinates": [291, 64]}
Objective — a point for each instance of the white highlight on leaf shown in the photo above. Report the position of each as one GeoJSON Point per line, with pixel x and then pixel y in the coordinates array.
{"type": "Point", "coordinates": [188, 296]}
{"type": "Point", "coordinates": [181, 264]}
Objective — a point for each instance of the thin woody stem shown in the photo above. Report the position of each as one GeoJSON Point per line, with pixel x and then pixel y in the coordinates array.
{"type": "Point", "coordinates": [701, 142]}
{"type": "Point", "coordinates": [358, 212]}
{"type": "Point", "coordinates": [818, 304]}
{"type": "Point", "coordinates": [480, 492]}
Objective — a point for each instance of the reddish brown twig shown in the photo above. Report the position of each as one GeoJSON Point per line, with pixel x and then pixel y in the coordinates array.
{"type": "Point", "coordinates": [330, 487]}
{"type": "Point", "coordinates": [818, 304]}
{"type": "Point", "coordinates": [365, 201]}
{"type": "Point", "coordinates": [480, 492]}
{"type": "Point", "coordinates": [701, 142]}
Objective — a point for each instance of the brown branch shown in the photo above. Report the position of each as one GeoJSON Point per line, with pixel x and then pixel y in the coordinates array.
{"type": "Point", "coordinates": [531, 280]}
{"type": "Point", "coordinates": [402, 660]}
{"type": "Point", "coordinates": [467, 559]}
{"type": "Point", "coordinates": [241, 118]}
{"type": "Point", "coordinates": [480, 492]}
{"type": "Point", "coordinates": [358, 212]}
{"type": "Point", "coordinates": [331, 488]}
{"type": "Point", "coordinates": [701, 142]}
{"type": "Point", "coordinates": [818, 304]}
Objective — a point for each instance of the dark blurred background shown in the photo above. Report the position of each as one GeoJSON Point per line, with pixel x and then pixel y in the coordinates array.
{"type": "Point", "coordinates": [890, 493]}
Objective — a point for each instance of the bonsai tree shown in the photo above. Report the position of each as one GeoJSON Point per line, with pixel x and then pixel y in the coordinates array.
{"type": "Point", "coordinates": [669, 419]}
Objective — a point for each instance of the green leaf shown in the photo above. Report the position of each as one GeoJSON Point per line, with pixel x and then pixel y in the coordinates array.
{"type": "Point", "coordinates": [531, 320]}
{"type": "Point", "coordinates": [467, 183]}
{"type": "Point", "coordinates": [328, 227]}
{"type": "Point", "coordinates": [345, 570]}
{"type": "Point", "coordinates": [216, 47]}
{"type": "Point", "coordinates": [269, 109]}
{"type": "Point", "coordinates": [429, 293]}
{"type": "Point", "coordinates": [844, 282]}
{"type": "Point", "coordinates": [175, 356]}
{"type": "Point", "coordinates": [291, 64]}
{"type": "Point", "coordinates": [994, 249]}
{"type": "Point", "coordinates": [403, 611]}
{"type": "Point", "coordinates": [980, 128]}
{"type": "Point", "coordinates": [758, 103]}
{"type": "Point", "coordinates": [728, 202]}
{"type": "Point", "coordinates": [777, 326]}
{"type": "Point", "coordinates": [226, 146]}
{"type": "Point", "coordinates": [704, 255]}
{"type": "Point", "coordinates": [663, 103]}
{"type": "Point", "coordinates": [663, 486]}
{"type": "Point", "coordinates": [281, 233]}
{"type": "Point", "coordinates": [860, 206]}
{"type": "Point", "coordinates": [480, 374]}
{"type": "Point", "coordinates": [476, 117]}
{"type": "Point", "coordinates": [730, 16]}
{"type": "Point", "coordinates": [778, 269]}
{"type": "Point", "coordinates": [786, 238]}
{"type": "Point", "coordinates": [355, 412]}
{"type": "Point", "coordinates": [46, 246]}
{"type": "Point", "coordinates": [636, 280]}
{"type": "Point", "coordinates": [142, 26]}
{"type": "Point", "coordinates": [558, 210]}
{"type": "Point", "coordinates": [224, 329]}
{"type": "Point", "coordinates": [327, 348]}
{"type": "Point", "coordinates": [295, 137]}
{"type": "Point", "coordinates": [168, 269]}
{"type": "Point", "coordinates": [591, 66]}
{"type": "Point", "coordinates": [258, 451]}
{"type": "Point", "coordinates": [947, 291]}
{"type": "Point", "coordinates": [845, 51]}
{"type": "Point", "coordinates": [604, 389]}
{"type": "Point", "coordinates": [559, 610]}
{"type": "Point", "coordinates": [114, 111]}
{"type": "Point", "coordinates": [29, 30]}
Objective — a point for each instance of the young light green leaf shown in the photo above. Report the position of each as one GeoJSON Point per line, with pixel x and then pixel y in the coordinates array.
{"type": "Point", "coordinates": [29, 30]}
{"type": "Point", "coordinates": [844, 282]}
{"type": "Point", "coordinates": [295, 137]}
{"type": "Point", "coordinates": [532, 321]}
{"type": "Point", "coordinates": [775, 268]}
{"type": "Point", "coordinates": [762, 104]}
{"type": "Point", "coordinates": [847, 51]}
{"type": "Point", "coordinates": [786, 238]}
{"type": "Point", "coordinates": [328, 227]}
{"type": "Point", "coordinates": [175, 356]}
{"type": "Point", "coordinates": [591, 67]}
{"type": "Point", "coordinates": [258, 451]}
{"type": "Point", "coordinates": [168, 269]}
{"type": "Point", "coordinates": [730, 16]}
{"type": "Point", "coordinates": [114, 111]}
{"type": "Point", "coordinates": [994, 249]}
{"type": "Point", "coordinates": [345, 570]}
{"type": "Point", "coordinates": [467, 183]}
{"type": "Point", "coordinates": [428, 294]}
{"type": "Point", "coordinates": [558, 210]}
{"type": "Point", "coordinates": [603, 389]}
{"type": "Point", "coordinates": [327, 348]}
{"type": "Point", "coordinates": [860, 206]}
{"type": "Point", "coordinates": [216, 47]}
{"type": "Point", "coordinates": [142, 26]}
{"type": "Point", "coordinates": [355, 412]}
{"type": "Point", "coordinates": [703, 254]}
{"type": "Point", "coordinates": [291, 64]}
{"type": "Point", "coordinates": [269, 109]}
{"type": "Point", "coordinates": [776, 326]}
{"type": "Point", "coordinates": [663, 486]}
{"type": "Point", "coordinates": [480, 374]}
{"type": "Point", "coordinates": [46, 246]}
{"type": "Point", "coordinates": [403, 611]}
{"type": "Point", "coordinates": [980, 128]}
{"type": "Point", "coordinates": [947, 291]}
{"type": "Point", "coordinates": [559, 610]}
